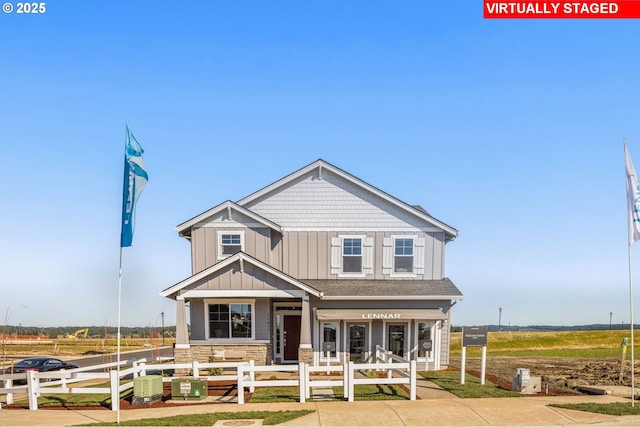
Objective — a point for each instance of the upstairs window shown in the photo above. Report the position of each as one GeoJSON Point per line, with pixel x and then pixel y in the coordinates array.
{"type": "Point", "coordinates": [230, 243]}
{"type": "Point", "coordinates": [352, 255]}
{"type": "Point", "coordinates": [403, 256]}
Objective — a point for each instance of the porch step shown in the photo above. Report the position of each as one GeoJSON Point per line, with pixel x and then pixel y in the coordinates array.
{"type": "Point", "coordinates": [322, 393]}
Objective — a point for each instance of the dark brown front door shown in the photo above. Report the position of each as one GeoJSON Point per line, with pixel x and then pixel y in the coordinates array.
{"type": "Point", "coordinates": [291, 337]}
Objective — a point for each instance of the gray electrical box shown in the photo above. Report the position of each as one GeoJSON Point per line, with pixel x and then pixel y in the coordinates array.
{"type": "Point", "coordinates": [189, 388]}
{"type": "Point", "coordinates": [524, 383]}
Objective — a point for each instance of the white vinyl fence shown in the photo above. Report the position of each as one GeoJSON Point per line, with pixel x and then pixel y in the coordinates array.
{"type": "Point", "coordinates": [302, 376]}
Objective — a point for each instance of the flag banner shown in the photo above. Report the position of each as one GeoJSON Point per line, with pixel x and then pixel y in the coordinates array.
{"type": "Point", "coordinates": [633, 198]}
{"type": "Point", "coordinates": [568, 9]}
{"type": "Point", "coordinates": [135, 178]}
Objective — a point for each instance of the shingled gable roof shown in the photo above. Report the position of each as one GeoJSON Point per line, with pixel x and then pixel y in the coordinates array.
{"type": "Point", "coordinates": [173, 291]}
{"type": "Point", "coordinates": [184, 229]}
{"type": "Point", "coordinates": [450, 232]}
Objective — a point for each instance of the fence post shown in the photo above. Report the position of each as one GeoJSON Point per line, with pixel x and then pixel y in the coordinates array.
{"type": "Point", "coordinates": [63, 379]}
{"type": "Point", "coordinates": [413, 371]}
{"type": "Point", "coordinates": [143, 370]}
{"type": "Point", "coordinates": [345, 378]}
{"type": "Point", "coordinates": [114, 382]}
{"type": "Point", "coordinates": [351, 378]}
{"type": "Point", "coordinates": [33, 388]}
{"type": "Point", "coordinates": [252, 376]}
{"type": "Point", "coordinates": [9, 384]}
{"type": "Point", "coordinates": [307, 381]}
{"type": "Point", "coordinates": [302, 382]}
{"type": "Point", "coordinates": [195, 369]}
{"type": "Point", "coordinates": [240, 385]}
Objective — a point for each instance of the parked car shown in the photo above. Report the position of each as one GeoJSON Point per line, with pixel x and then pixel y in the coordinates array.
{"type": "Point", "coordinates": [40, 364]}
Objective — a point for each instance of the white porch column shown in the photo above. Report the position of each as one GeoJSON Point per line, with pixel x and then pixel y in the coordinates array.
{"type": "Point", "coordinates": [305, 325]}
{"type": "Point", "coordinates": [182, 333]}
{"type": "Point", "coordinates": [305, 351]}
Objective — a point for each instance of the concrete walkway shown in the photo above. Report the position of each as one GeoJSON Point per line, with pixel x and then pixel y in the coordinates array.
{"type": "Point", "coordinates": [525, 411]}
{"type": "Point", "coordinates": [436, 407]}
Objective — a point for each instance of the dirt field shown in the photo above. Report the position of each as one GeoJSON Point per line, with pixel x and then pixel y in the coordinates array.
{"type": "Point", "coordinates": [559, 372]}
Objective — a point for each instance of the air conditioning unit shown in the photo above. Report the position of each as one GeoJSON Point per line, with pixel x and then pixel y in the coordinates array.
{"type": "Point", "coordinates": [147, 389]}
{"type": "Point", "coordinates": [189, 388]}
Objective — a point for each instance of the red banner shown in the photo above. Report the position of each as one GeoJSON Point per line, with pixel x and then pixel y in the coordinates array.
{"type": "Point", "coordinates": [562, 9]}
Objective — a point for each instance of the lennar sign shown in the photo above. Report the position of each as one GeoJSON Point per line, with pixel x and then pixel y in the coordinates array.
{"type": "Point", "coordinates": [381, 315]}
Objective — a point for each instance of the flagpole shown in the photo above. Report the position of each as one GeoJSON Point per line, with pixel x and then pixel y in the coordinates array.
{"type": "Point", "coordinates": [633, 226]}
{"type": "Point", "coordinates": [135, 179]}
{"type": "Point", "coordinates": [118, 346]}
{"type": "Point", "coordinates": [632, 340]}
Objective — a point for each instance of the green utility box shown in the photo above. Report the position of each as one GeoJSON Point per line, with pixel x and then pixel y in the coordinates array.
{"type": "Point", "coordinates": [147, 389]}
{"type": "Point", "coordinates": [189, 388]}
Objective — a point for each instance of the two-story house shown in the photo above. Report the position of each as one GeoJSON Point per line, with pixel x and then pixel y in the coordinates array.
{"type": "Point", "coordinates": [317, 265]}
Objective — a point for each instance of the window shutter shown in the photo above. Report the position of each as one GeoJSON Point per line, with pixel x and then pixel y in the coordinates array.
{"type": "Point", "coordinates": [367, 255]}
{"type": "Point", "coordinates": [418, 256]}
{"type": "Point", "coordinates": [387, 255]}
{"type": "Point", "coordinates": [336, 255]}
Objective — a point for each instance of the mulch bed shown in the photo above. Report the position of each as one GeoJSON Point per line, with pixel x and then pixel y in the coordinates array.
{"type": "Point", "coordinates": [506, 384]}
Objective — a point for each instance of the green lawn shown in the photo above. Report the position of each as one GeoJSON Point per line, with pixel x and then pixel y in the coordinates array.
{"type": "Point", "coordinates": [616, 409]}
{"type": "Point", "coordinates": [275, 394]}
{"type": "Point", "coordinates": [374, 392]}
{"type": "Point", "coordinates": [362, 392]}
{"type": "Point", "coordinates": [268, 417]}
{"type": "Point", "coordinates": [450, 381]}
{"type": "Point", "coordinates": [69, 400]}
{"type": "Point", "coordinates": [79, 399]}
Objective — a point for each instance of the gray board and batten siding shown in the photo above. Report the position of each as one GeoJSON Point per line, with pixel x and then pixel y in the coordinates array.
{"type": "Point", "coordinates": [294, 232]}
{"type": "Point", "coordinates": [308, 254]}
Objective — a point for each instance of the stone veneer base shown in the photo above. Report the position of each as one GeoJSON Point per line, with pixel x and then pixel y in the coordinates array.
{"type": "Point", "coordinates": [203, 353]}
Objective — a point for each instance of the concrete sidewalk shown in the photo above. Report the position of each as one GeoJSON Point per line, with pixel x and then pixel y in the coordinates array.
{"type": "Point", "coordinates": [523, 411]}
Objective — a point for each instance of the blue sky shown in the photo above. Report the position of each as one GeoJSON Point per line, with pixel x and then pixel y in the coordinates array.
{"type": "Point", "coordinates": [509, 130]}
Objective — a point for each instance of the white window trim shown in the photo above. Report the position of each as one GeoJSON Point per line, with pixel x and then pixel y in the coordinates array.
{"type": "Point", "coordinates": [406, 351]}
{"type": "Point", "coordinates": [208, 302]}
{"type": "Point", "coordinates": [345, 338]}
{"type": "Point", "coordinates": [220, 233]}
{"type": "Point", "coordinates": [362, 266]}
{"type": "Point", "coordinates": [274, 333]}
{"type": "Point", "coordinates": [393, 255]}
{"type": "Point", "coordinates": [435, 348]}
{"type": "Point", "coordinates": [323, 354]}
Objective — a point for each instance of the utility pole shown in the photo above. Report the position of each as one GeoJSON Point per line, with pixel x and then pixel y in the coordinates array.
{"type": "Point", "coordinates": [610, 318]}
{"type": "Point", "coordinates": [499, 319]}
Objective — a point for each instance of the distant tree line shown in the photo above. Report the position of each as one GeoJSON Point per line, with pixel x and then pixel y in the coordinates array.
{"type": "Point", "coordinates": [93, 332]}
{"type": "Point", "coordinates": [550, 328]}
